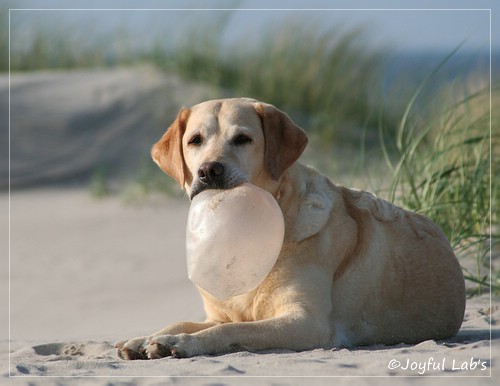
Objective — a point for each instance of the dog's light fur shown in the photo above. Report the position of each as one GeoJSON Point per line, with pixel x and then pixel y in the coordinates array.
{"type": "Point", "coordinates": [354, 269]}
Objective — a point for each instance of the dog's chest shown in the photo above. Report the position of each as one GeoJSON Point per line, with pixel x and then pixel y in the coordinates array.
{"type": "Point", "coordinates": [244, 308]}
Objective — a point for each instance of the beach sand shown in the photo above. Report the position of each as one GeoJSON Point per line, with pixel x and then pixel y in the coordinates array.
{"type": "Point", "coordinates": [87, 272]}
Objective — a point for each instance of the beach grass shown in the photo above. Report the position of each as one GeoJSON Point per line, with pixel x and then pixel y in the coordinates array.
{"type": "Point", "coordinates": [326, 80]}
{"type": "Point", "coordinates": [442, 166]}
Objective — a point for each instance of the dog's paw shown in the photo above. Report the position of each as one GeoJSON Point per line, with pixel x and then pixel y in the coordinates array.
{"type": "Point", "coordinates": [157, 349]}
{"type": "Point", "coordinates": [133, 349]}
{"type": "Point", "coordinates": [178, 346]}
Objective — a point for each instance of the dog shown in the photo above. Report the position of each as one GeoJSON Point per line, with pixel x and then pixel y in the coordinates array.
{"type": "Point", "coordinates": [353, 270]}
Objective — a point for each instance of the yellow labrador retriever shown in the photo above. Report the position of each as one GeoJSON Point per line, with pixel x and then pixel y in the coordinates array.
{"type": "Point", "coordinates": [354, 269]}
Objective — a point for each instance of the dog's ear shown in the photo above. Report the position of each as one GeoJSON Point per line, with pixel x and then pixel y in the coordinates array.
{"type": "Point", "coordinates": [167, 152]}
{"type": "Point", "coordinates": [285, 141]}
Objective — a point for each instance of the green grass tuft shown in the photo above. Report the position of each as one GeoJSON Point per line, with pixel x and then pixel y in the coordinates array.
{"type": "Point", "coordinates": [443, 169]}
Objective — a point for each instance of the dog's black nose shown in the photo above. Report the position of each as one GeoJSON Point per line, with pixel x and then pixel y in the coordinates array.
{"type": "Point", "coordinates": [211, 173]}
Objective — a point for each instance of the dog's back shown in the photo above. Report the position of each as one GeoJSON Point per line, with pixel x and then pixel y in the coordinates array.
{"type": "Point", "coordinates": [403, 282]}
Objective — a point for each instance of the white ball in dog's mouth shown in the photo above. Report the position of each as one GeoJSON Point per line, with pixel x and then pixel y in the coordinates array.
{"type": "Point", "coordinates": [233, 239]}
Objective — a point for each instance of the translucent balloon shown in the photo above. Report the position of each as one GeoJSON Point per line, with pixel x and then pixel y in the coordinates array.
{"type": "Point", "coordinates": [233, 239]}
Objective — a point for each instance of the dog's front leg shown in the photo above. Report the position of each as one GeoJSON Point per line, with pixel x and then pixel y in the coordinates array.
{"type": "Point", "coordinates": [296, 331]}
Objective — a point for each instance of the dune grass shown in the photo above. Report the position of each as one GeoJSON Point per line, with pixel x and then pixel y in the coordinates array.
{"type": "Point", "coordinates": [442, 166]}
{"type": "Point", "coordinates": [324, 79]}
{"type": "Point", "coordinates": [327, 80]}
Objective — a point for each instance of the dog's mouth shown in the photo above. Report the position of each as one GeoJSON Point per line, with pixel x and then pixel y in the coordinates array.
{"type": "Point", "coordinates": [201, 187]}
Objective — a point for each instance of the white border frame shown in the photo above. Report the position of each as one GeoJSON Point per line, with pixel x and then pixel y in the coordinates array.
{"type": "Point", "coordinates": [247, 9]}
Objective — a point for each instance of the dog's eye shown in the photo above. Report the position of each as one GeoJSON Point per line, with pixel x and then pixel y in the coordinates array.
{"type": "Point", "coordinates": [242, 139]}
{"type": "Point", "coordinates": [196, 140]}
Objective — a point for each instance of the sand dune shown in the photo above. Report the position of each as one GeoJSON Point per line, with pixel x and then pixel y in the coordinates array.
{"type": "Point", "coordinates": [65, 125]}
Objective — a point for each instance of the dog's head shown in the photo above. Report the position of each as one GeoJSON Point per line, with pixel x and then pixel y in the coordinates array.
{"type": "Point", "coordinates": [223, 143]}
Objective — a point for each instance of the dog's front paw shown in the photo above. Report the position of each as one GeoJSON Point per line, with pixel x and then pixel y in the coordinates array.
{"type": "Point", "coordinates": [157, 349]}
{"type": "Point", "coordinates": [133, 348]}
{"type": "Point", "coordinates": [178, 346]}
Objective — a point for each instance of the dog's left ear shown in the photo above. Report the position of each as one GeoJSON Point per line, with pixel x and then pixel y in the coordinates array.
{"type": "Point", "coordinates": [167, 152]}
{"type": "Point", "coordinates": [285, 141]}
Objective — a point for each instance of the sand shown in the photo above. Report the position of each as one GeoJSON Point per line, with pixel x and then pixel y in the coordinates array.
{"type": "Point", "coordinates": [86, 272]}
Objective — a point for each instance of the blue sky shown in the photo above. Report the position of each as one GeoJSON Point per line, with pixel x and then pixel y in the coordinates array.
{"type": "Point", "coordinates": [412, 29]}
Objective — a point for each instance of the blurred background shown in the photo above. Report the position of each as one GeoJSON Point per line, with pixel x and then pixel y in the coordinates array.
{"type": "Point", "coordinates": [104, 84]}
{"type": "Point", "coordinates": [400, 101]}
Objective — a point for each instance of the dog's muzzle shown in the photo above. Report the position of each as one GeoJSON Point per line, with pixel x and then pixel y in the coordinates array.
{"type": "Point", "coordinates": [213, 175]}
